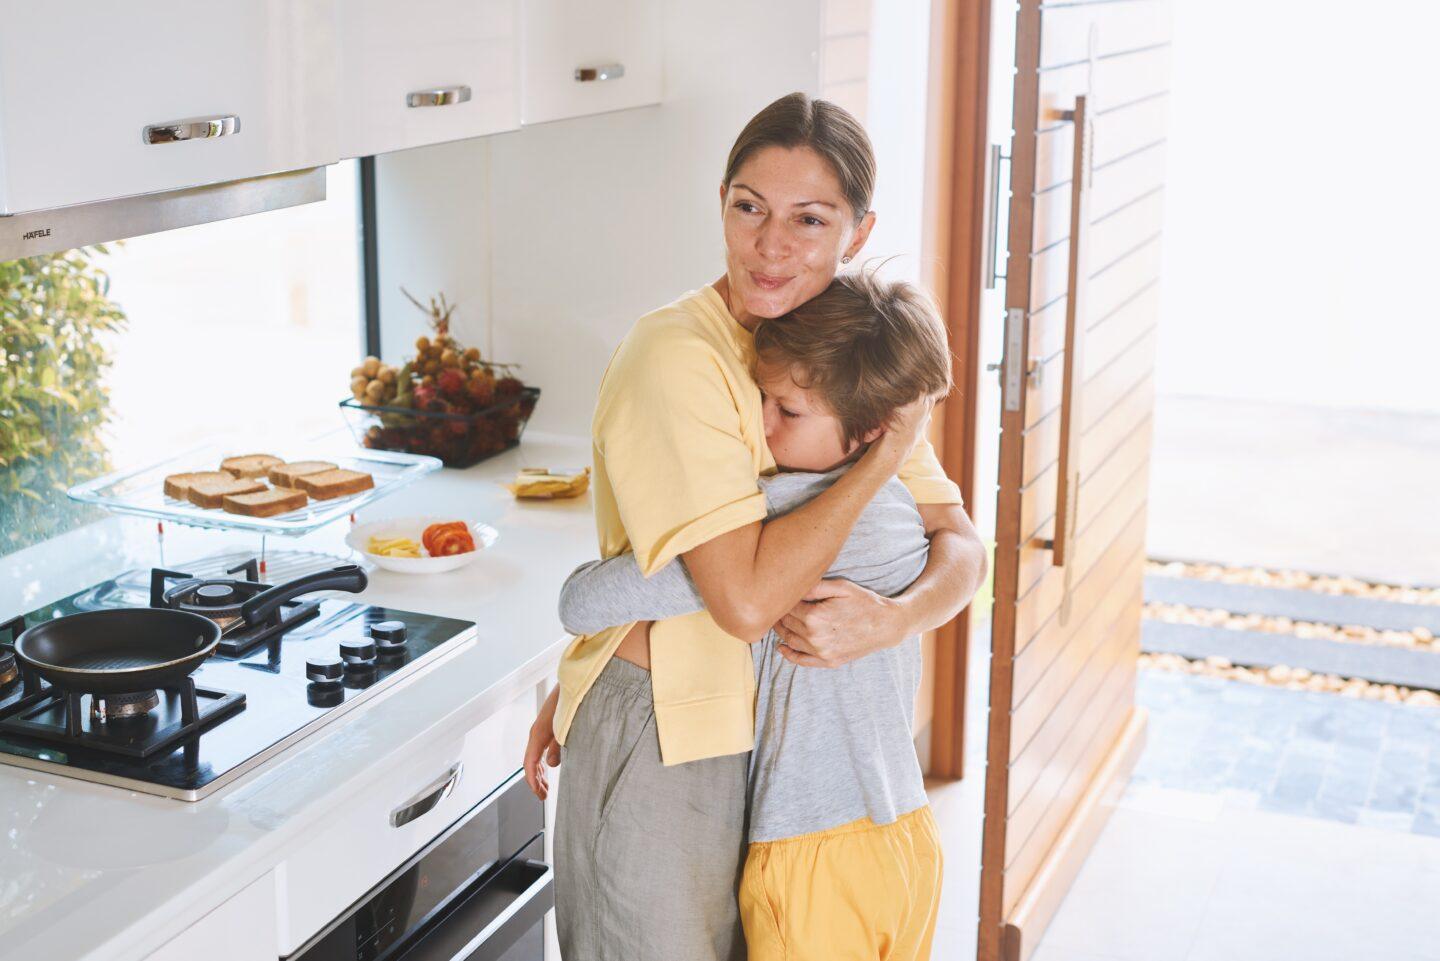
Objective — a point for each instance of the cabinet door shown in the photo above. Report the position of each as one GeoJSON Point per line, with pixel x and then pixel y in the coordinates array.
{"type": "Point", "coordinates": [426, 71]}
{"type": "Point", "coordinates": [100, 99]}
{"type": "Point", "coordinates": [589, 56]}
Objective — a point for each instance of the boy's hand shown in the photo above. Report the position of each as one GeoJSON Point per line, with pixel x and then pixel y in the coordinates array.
{"type": "Point", "coordinates": [903, 430]}
{"type": "Point", "coordinates": [542, 747]}
{"type": "Point", "coordinates": [836, 623]}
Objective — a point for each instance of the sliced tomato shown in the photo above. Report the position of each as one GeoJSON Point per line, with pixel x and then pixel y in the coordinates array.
{"type": "Point", "coordinates": [433, 532]}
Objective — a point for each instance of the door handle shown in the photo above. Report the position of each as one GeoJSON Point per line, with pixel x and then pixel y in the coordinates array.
{"type": "Point", "coordinates": [610, 71]}
{"type": "Point", "coordinates": [992, 217]}
{"type": "Point", "coordinates": [429, 796]}
{"type": "Point", "coordinates": [439, 97]}
{"type": "Point", "coordinates": [203, 128]}
{"type": "Point", "coordinates": [1067, 489]}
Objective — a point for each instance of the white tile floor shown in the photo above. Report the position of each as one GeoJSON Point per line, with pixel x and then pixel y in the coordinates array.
{"type": "Point", "coordinates": [1248, 886]}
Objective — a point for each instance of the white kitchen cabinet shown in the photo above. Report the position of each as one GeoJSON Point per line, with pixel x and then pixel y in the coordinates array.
{"type": "Point", "coordinates": [589, 56]}
{"type": "Point", "coordinates": [404, 808]}
{"type": "Point", "coordinates": [421, 72]}
{"type": "Point", "coordinates": [100, 99]}
{"type": "Point", "coordinates": [241, 929]}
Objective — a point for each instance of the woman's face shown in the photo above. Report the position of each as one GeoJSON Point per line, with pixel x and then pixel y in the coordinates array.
{"type": "Point", "coordinates": [787, 226]}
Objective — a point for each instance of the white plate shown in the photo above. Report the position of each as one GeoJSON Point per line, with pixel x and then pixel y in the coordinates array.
{"type": "Point", "coordinates": [413, 527]}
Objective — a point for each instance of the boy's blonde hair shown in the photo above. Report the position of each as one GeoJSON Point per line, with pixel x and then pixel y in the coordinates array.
{"type": "Point", "coordinates": [866, 345]}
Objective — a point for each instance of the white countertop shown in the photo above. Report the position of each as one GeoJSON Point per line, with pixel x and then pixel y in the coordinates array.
{"type": "Point", "coordinates": [90, 872]}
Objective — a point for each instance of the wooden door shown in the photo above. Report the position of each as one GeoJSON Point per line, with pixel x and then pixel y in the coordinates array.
{"type": "Point", "coordinates": [1081, 308]}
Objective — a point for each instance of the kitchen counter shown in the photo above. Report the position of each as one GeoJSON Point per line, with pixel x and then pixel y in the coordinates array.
{"type": "Point", "coordinates": [95, 872]}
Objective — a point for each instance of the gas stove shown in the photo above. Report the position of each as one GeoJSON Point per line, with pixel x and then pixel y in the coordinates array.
{"type": "Point", "coordinates": [265, 689]}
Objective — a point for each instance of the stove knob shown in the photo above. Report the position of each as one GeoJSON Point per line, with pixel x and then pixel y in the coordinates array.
{"type": "Point", "coordinates": [389, 633]}
{"type": "Point", "coordinates": [328, 694]}
{"type": "Point", "coordinates": [324, 670]}
{"type": "Point", "coordinates": [362, 651]}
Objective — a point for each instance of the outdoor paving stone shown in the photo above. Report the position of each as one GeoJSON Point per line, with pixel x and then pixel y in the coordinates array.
{"type": "Point", "coordinates": [1267, 748]}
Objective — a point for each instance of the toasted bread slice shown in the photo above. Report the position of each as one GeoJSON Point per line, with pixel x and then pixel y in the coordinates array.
{"type": "Point", "coordinates": [250, 465]}
{"type": "Point", "coordinates": [267, 503]}
{"type": "Point", "coordinates": [178, 485]}
{"type": "Point", "coordinates": [335, 483]}
{"type": "Point", "coordinates": [212, 494]}
{"type": "Point", "coordinates": [285, 475]}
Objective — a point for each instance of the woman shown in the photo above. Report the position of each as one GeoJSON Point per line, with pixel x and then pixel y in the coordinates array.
{"type": "Point", "coordinates": [657, 720]}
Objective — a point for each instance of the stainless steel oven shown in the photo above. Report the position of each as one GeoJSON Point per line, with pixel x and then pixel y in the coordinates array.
{"type": "Point", "coordinates": [478, 892]}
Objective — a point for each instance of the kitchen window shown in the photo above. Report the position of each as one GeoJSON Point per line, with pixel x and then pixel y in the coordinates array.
{"type": "Point", "coordinates": [123, 355]}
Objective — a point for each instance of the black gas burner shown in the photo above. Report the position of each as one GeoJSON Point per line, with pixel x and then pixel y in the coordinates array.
{"type": "Point", "coordinates": [119, 708]}
{"type": "Point", "coordinates": [9, 665]}
{"type": "Point", "coordinates": [221, 599]}
{"type": "Point", "coordinates": [9, 668]}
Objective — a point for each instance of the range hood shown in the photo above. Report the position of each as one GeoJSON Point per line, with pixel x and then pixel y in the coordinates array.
{"type": "Point", "coordinates": [65, 228]}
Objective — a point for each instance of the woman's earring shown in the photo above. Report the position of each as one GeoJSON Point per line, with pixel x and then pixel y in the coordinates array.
{"type": "Point", "coordinates": [844, 260]}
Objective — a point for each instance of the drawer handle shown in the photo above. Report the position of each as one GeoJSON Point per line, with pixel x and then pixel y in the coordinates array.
{"type": "Point", "coordinates": [428, 797]}
{"type": "Point", "coordinates": [204, 128]}
{"type": "Point", "coordinates": [610, 71]}
{"type": "Point", "coordinates": [439, 97]}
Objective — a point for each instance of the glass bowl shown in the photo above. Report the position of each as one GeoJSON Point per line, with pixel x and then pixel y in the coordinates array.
{"type": "Point", "coordinates": [458, 439]}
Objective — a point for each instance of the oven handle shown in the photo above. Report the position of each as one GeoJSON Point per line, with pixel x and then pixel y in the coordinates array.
{"type": "Point", "coordinates": [428, 797]}
{"type": "Point", "coordinates": [492, 941]}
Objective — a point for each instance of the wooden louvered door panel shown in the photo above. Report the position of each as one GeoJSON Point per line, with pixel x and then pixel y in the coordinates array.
{"type": "Point", "coordinates": [1082, 301]}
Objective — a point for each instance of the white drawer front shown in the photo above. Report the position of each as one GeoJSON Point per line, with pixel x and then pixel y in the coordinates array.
{"type": "Point", "coordinates": [562, 36]}
{"type": "Point", "coordinates": [358, 846]}
{"type": "Point", "coordinates": [241, 929]}
{"type": "Point", "coordinates": [80, 80]}
{"type": "Point", "coordinates": [391, 49]}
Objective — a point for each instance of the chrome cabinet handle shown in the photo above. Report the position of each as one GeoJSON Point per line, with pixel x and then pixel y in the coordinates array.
{"type": "Point", "coordinates": [429, 796]}
{"type": "Point", "coordinates": [610, 71]}
{"type": "Point", "coordinates": [439, 97]}
{"type": "Point", "coordinates": [202, 128]}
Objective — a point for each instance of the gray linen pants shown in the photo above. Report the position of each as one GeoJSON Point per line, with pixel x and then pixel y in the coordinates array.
{"type": "Point", "coordinates": [647, 857]}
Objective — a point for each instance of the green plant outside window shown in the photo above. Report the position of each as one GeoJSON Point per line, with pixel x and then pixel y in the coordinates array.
{"type": "Point", "coordinates": [55, 315]}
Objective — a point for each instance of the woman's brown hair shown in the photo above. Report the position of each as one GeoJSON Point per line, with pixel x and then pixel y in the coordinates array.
{"type": "Point", "coordinates": [794, 121]}
{"type": "Point", "coordinates": [865, 345]}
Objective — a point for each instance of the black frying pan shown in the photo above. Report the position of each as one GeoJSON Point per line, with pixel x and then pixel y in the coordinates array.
{"type": "Point", "coordinates": [118, 651]}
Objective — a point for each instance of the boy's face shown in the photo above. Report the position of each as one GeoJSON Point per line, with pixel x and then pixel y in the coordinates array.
{"type": "Point", "coordinates": [802, 433]}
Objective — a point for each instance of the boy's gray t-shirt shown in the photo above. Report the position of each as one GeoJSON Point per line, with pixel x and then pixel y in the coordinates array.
{"type": "Point", "coordinates": [832, 745]}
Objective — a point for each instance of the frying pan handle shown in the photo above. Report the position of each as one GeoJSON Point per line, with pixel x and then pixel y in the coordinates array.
{"type": "Point", "coordinates": [348, 577]}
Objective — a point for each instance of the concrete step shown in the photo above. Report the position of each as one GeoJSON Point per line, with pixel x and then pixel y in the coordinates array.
{"type": "Point", "coordinates": [1296, 605]}
{"type": "Point", "coordinates": [1372, 662]}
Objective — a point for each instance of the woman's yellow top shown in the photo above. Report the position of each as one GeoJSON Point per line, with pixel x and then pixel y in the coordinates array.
{"type": "Point", "coordinates": [679, 444]}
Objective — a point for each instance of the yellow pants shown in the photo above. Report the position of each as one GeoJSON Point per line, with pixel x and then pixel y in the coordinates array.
{"type": "Point", "coordinates": [859, 891]}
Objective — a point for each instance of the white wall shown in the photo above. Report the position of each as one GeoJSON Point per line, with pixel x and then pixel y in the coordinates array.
{"type": "Point", "coordinates": [896, 114]}
{"type": "Point", "coordinates": [556, 238]}
{"type": "Point", "coordinates": [1301, 210]}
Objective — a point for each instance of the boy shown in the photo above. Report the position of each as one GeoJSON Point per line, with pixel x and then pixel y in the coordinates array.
{"type": "Point", "coordinates": [844, 858]}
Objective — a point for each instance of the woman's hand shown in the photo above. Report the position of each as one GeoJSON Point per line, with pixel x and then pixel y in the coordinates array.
{"type": "Point", "coordinates": [542, 749]}
{"type": "Point", "coordinates": [839, 622]}
{"type": "Point", "coordinates": [902, 432]}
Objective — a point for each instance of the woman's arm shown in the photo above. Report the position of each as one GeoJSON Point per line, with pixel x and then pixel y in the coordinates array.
{"type": "Point", "coordinates": [838, 621]}
{"type": "Point", "coordinates": [751, 576]}
{"type": "Point", "coordinates": [612, 592]}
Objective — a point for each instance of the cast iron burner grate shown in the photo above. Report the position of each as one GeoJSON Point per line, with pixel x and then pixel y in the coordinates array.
{"type": "Point", "coordinates": [237, 639]}
{"type": "Point", "coordinates": [66, 719]}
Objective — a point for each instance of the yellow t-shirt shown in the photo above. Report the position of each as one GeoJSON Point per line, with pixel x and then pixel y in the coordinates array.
{"type": "Point", "coordinates": [679, 444]}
